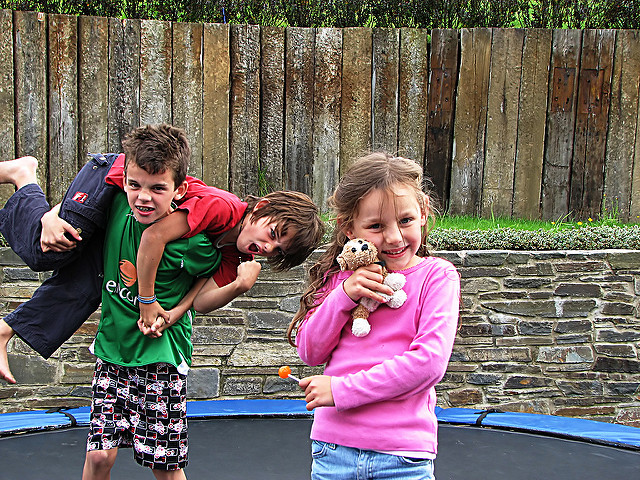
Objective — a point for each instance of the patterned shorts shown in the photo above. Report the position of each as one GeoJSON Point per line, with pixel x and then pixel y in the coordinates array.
{"type": "Point", "coordinates": [140, 407]}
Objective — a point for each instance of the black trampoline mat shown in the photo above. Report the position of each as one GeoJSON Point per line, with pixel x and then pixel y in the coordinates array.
{"type": "Point", "coordinates": [279, 448]}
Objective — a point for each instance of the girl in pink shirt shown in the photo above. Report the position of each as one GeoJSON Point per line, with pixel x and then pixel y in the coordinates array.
{"type": "Point", "coordinates": [376, 399]}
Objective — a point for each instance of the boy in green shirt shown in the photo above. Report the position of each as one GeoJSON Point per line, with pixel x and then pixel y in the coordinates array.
{"type": "Point", "coordinates": [139, 385]}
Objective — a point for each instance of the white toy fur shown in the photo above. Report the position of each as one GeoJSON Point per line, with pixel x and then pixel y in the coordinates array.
{"type": "Point", "coordinates": [357, 253]}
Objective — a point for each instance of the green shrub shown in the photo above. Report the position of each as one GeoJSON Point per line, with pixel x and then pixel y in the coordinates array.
{"type": "Point", "coordinates": [359, 13]}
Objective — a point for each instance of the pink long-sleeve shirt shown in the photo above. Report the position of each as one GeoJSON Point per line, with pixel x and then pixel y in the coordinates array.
{"type": "Point", "coordinates": [383, 383]}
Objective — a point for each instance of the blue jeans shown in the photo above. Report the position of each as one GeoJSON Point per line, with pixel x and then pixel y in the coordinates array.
{"type": "Point", "coordinates": [335, 462]}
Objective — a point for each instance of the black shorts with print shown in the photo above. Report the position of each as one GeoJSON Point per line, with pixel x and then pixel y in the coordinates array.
{"type": "Point", "coordinates": [140, 407]}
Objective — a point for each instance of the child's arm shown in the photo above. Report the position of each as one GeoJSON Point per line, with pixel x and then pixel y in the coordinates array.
{"type": "Point", "coordinates": [212, 296]}
{"type": "Point", "coordinates": [152, 244]}
{"type": "Point", "coordinates": [52, 236]}
{"type": "Point", "coordinates": [174, 314]}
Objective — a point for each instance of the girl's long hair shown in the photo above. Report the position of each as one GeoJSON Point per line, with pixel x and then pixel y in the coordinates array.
{"type": "Point", "coordinates": [375, 171]}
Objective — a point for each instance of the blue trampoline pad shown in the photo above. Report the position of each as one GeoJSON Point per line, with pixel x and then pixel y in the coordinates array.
{"type": "Point", "coordinates": [269, 439]}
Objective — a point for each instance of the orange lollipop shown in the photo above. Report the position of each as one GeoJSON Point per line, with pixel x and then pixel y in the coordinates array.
{"type": "Point", "coordinates": [285, 372]}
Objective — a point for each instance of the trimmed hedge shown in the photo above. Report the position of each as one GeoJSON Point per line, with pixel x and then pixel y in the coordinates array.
{"type": "Point", "coordinates": [586, 238]}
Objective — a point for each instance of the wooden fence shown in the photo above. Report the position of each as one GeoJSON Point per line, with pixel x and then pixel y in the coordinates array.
{"type": "Point", "coordinates": [528, 123]}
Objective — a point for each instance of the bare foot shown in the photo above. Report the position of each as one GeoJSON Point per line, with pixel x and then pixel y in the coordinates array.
{"type": "Point", "coordinates": [19, 172]}
{"type": "Point", "coordinates": [6, 332]}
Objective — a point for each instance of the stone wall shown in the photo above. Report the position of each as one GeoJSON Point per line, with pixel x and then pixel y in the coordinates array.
{"type": "Point", "coordinates": [546, 332]}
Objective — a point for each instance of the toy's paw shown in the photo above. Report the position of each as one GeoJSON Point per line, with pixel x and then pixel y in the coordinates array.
{"type": "Point", "coordinates": [395, 280]}
{"type": "Point", "coordinates": [398, 299]}
{"type": "Point", "coordinates": [360, 327]}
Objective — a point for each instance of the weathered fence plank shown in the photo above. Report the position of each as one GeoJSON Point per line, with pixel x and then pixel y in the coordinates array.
{"type": "Point", "coordinates": [355, 125]}
{"type": "Point", "coordinates": [244, 109]}
{"type": "Point", "coordinates": [7, 130]}
{"type": "Point", "coordinates": [565, 55]}
{"type": "Point", "coordinates": [63, 103]}
{"type": "Point", "coordinates": [187, 87]}
{"type": "Point", "coordinates": [502, 122]}
{"type": "Point", "coordinates": [93, 85]}
{"type": "Point", "coordinates": [215, 109]}
{"type": "Point", "coordinates": [470, 122]}
{"type": "Point", "coordinates": [298, 146]}
{"type": "Point", "coordinates": [532, 114]}
{"type": "Point", "coordinates": [326, 113]}
{"type": "Point", "coordinates": [413, 93]}
{"type": "Point", "coordinates": [155, 72]}
{"type": "Point", "coordinates": [31, 88]}
{"type": "Point", "coordinates": [594, 97]}
{"type": "Point", "coordinates": [443, 75]}
{"type": "Point", "coordinates": [386, 69]}
{"type": "Point", "coordinates": [124, 80]}
{"type": "Point", "coordinates": [267, 108]}
{"type": "Point", "coordinates": [272, 74]}
{"type": "Point", "coordinates": [623, 125]}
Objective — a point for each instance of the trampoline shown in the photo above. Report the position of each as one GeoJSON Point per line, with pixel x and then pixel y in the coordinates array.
{"type": "Point", "coordinates": [269, 439]}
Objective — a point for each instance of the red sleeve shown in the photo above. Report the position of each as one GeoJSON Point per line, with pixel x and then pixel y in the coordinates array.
{"type": "Point", "coordinates": [115, 176]}
{"type": "Point", "coordinates": [228, 270]}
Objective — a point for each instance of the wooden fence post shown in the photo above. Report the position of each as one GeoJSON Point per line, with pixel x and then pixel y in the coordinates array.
{"type": "Point", "coordinates": [355, 124]}
{"type": "Point", "coordinates": [244, 109]}
{"type": "Point", "coordinates": [63, 103]}
{"type": "Point", "coordinates": [93, 86]}
{"type": "Point", "coordinates": [298, 142]}
{"type": "Point", "coordinates": [532, 113]}
{"type": "Point", "coordinates": [594, 97]}
{"type": "Point", "coordinates": [7, 118]}
{"type": "Point", "coordinates": [187, 87]}
{"type": "Point", "coordinates": [216, 57]}
{"type": "Point", "coordinates": [156, 72]}
{"type": "Point", "coordinates": [560, 124]}
{"type": "Point", "coordinates": [31, 89]}
{"type": "Point", "coordinates": [619, 179]}
{"type": "Point", "coordinates": [385, 71]}
{"type": "Point", "coordinates": [443, 81]}
{"type": "Point", "coordinates": [124, 80]}
{"type": "Point", "coordinates": [326, 113]}
{"type": "Point", "coordinates": [502, 122]}
{"type": "Point", "coordinates": [272, 76]}
{"type": "Point", "coordinates": [471, 121]}
{"type": "Point", "coordinates": [413, 93]}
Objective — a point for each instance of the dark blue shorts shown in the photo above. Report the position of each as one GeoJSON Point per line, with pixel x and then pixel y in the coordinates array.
{"type": "Point", "coordinates": [65, 300]}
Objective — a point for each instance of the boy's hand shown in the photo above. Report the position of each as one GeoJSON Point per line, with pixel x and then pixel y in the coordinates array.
{"type": "Point", "coordinates": [150, 314]}
{"type": "Point", "coordinates": [247, 274]}
{"type": "Point", "coordinates": [52, 237]}
{"type": "Point", "coordinates": [317, 390]}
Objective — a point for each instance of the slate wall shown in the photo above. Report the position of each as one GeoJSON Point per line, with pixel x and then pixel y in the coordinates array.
{"type": "Point", "coordinates": [547, 332]}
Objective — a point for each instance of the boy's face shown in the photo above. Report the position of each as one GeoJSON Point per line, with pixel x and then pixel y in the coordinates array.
{"type": "Point", "coordinates": [263, 237]}
{"type": "Point", "coordinates": [150, 196]}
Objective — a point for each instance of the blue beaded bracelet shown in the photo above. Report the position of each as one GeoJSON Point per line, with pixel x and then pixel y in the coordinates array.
{"type": "Point", "coordinates": [147, 300]}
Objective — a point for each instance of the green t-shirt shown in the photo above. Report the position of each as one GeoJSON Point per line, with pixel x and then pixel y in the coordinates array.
{"type": "Point", "coordinates": [118, 339]}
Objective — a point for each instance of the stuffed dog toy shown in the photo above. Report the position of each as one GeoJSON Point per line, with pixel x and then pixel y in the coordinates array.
{"type": "Point", "coordinates": [358, 253]}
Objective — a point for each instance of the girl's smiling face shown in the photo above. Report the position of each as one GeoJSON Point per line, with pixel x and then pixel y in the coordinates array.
{"type": "Point", "coordinates": [392, 219]}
